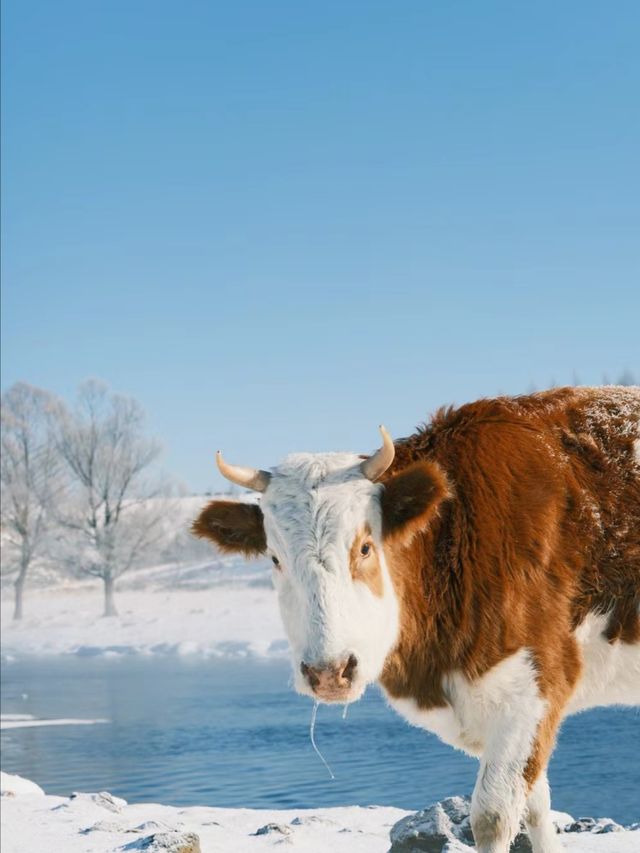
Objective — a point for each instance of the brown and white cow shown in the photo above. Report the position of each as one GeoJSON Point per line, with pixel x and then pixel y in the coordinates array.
{"type": "Point", "coordinates": [485, 571]}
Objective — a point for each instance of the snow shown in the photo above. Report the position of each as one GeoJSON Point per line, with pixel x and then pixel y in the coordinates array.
{"type": "Point", "coordinates": [17, 721]}
{"type": "Point", "coordinates": [102, 823]}
{"type": "Point", "coordinates": [16, 717]}
{"type": "Point", "coordinates": [230, 619]}
{"type": "Point", "coordinates": [13, 785]}
{"type": "Point", "coordinates": [197, 602]}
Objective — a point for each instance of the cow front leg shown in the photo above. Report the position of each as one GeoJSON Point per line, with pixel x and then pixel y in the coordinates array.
{"type": "Point", "coordinates": [497, 804]}
{"type": "Point", "coordinates": [512, 785]}
{"type": "Point", "coordinates": [505, 780]}
{"type": "Point", "coordinates": [537, 816]}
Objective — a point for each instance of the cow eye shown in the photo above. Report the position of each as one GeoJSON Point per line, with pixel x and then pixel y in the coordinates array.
{"type": "Point", "coordinates": [275, 561]}
{"type": "Point", "coordinates": [365, 549]}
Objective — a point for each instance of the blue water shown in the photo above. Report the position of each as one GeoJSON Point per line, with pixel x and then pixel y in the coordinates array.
{"type": "Point", "coordinates": [234, 734]}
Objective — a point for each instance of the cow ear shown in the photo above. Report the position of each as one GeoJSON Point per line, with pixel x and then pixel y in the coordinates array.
{"type": "Point", "coordinates": [410, 499]}
{"type": "Point", "coordinates": [233, 526]}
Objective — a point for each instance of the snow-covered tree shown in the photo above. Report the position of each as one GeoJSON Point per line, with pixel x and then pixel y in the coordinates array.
{"type": "Point", "coordinates": [627, 378]}
{"type": "Point", "coordinates": [111, 517]}
{"type": "Point", "coordinates": [30, 478]}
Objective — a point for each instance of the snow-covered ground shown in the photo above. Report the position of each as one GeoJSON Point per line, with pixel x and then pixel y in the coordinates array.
{"type": "Point", "coordinates": [101, 823]}
{"type": "Point", "coordinates": [196, 602]}
{"type": "Point", "coordinates": [224, 610]}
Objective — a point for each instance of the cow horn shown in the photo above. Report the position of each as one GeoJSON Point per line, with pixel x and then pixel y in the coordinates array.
{"type": "Point", "coordinates": [250, 478]}
{"type": "Point", "coordinates": [374, 467]}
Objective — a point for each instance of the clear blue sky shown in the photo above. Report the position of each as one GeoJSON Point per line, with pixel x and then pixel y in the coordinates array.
{"type": "Point", "coordinates": [278, 224]}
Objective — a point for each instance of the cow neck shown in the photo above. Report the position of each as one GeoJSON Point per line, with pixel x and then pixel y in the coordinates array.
{"type": "Point", "coordinates": [430, 595]}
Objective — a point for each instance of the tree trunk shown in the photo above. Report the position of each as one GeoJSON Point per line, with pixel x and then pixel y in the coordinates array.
{"type": "Point", "coordinates": [109, 602]}
{"type": "Point", "coordinates": [19, 590]}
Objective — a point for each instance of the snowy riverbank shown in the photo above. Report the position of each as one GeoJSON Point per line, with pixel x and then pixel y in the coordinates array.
{"type": "Point", "coordinates": [203, 603]}
{"type": "Point", "coordinates": [223, 620]}
{"type": "Point", "coordinates": [101, 823]}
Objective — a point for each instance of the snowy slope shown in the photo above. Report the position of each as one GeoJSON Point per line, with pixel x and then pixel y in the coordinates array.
{"type": "Point", "coordinates": [101, 823]}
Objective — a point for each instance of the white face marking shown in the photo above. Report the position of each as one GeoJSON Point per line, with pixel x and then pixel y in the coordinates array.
{"type": "Point", "coordinates": [313, 508]}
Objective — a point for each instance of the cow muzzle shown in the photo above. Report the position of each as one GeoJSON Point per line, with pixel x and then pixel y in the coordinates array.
{"type": "Point", "coordinates": [331, 683]}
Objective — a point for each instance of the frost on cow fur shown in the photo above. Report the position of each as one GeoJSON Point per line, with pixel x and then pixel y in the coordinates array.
{"type": "Point", "coordinates": [312, 507]}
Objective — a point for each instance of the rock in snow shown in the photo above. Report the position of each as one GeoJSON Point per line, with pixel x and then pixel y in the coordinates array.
{"type": "Point", "coordinates": [445, 827]}
{"type": "Point", "coordinates": [282, 828]}
{"type": "Point", "coordinates": [103, 799]}
{"type": "Point", "coordinates": [589, 824]}
{"type": "Point", "coordinates": [102, 823]}
{"type": "Point", "coordinates": [442, 825]}
{"type": "Point", "coordinates": [167, 842]}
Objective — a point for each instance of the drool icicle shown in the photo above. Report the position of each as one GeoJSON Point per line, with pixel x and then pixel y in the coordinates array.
{"type": "Point", "coordinates": [314, 714]}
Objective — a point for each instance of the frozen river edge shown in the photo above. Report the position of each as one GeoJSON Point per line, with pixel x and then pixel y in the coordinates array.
{"type": "Point", "coordinates": [102, 823]}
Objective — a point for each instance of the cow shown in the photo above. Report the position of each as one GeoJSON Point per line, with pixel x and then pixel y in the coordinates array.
{"type": "Point", "coordinates": [484, 571]}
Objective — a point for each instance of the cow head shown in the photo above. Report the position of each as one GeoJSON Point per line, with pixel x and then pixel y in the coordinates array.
{"type": "Point", "coordinates": [324, 520]}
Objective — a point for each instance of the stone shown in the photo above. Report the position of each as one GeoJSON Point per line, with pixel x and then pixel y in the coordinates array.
{"type": "Point", "coordinates": [308, 820]}
{"type": "Point", "coordinates": [444, 827]}
{"type": "Point", "coordinates": [167, 842]}
{"type": "Point", "coordinates": [103, 799]}
{"type": "Point", "coordinates": [596, 827]}
{"type": "Point", "coordinates": [268, 828]}
{"type": "Point", "coordinates": [150, 826]}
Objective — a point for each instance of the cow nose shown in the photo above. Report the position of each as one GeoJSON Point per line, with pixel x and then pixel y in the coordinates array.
{"type": "Point", "coordinates": [330, 679]}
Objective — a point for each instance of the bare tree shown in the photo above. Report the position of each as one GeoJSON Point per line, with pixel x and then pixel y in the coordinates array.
{"type": "Point", "coordinates": [30, 477]}
{"type": "Point", "coordinates": [627, 378]}
{"type": "Point", "coordinates": [111, 517]}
